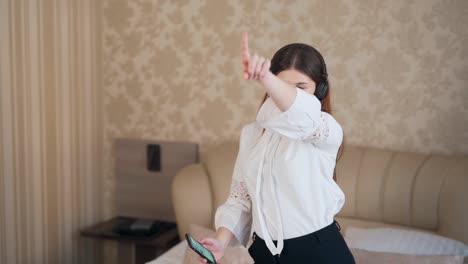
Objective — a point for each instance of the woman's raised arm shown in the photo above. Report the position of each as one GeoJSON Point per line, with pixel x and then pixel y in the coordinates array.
{"type": "Point", "coordinates": [258, 68]}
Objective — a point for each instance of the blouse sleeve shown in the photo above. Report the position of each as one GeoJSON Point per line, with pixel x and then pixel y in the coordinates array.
{"type": "Point", "coordinates": [236, 212]}
{"type": "Point", "coordinates": [304, 120]}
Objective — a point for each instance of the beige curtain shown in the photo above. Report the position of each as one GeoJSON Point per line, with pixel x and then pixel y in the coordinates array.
{"type": "Point", "coordinates": [50, 130]}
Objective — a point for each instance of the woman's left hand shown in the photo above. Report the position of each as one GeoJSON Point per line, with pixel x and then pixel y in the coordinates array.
{"type": "Point", "coordinates": [255, 67]}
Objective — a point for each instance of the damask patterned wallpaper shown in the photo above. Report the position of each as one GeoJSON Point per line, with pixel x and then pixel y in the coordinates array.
{"type": "Point", "coordinates": [399, 69]}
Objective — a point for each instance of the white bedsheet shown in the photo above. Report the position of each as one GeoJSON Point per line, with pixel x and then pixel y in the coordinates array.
{"type": "Point", "coordinates": [175, 255]}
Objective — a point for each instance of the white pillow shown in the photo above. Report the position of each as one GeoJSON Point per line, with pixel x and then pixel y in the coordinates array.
{"type": "Point", "coordinates": [403, 241]}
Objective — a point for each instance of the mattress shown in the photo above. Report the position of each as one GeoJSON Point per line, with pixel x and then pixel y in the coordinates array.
{"type": "Point", "coordinates": [175, 255]}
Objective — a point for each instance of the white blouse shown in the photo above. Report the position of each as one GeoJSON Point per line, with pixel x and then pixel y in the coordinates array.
{"type": "Point", "coordinates": [282, 185]}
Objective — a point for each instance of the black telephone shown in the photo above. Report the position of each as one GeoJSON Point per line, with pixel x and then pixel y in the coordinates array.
{"type": "Point", "coordinates": [138, 227]}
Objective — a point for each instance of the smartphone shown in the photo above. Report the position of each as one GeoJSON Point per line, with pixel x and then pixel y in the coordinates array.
{"type": "Point", "coordinates": [200, 249]}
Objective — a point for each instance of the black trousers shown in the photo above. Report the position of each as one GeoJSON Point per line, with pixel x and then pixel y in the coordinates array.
{"type": "Point", "coordinates": [323, 246]}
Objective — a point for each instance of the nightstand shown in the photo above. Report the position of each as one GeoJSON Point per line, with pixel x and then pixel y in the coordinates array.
{"type": "Point", "coordinates": [133, 249]}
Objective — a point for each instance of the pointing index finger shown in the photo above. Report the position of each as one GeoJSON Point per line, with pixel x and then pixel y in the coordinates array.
{"type": "Point", "coordinates": [245, 47]}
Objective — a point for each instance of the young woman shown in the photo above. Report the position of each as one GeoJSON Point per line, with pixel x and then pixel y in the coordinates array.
{"type": "Point", "coordinates": [283, 187]}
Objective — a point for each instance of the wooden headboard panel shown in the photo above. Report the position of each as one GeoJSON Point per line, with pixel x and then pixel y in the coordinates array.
{"type": "Point", "coordinates": [147, 194]}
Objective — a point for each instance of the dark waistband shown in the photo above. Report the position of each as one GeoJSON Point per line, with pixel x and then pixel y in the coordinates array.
{"type": "Point", "coordinates": [319, 235]}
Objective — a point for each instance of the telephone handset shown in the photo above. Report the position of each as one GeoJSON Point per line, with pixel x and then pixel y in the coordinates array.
{"type": "Point", "coordinates": [138, 227]}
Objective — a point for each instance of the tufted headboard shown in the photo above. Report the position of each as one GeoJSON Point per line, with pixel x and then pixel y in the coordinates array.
{"type": "Point", "coordinates": [382, 187]}
{"type": "Point", "coordinates": [417, 190]}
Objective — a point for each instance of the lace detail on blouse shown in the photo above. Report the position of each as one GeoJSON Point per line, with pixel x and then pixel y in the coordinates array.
{"type": "Point", "coordinates": [239, 190]}
{"type": "Point", "coordinates": [323, 131]}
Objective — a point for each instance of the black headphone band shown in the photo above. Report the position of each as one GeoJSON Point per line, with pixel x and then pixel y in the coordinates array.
{"type": "Point", "coordinates": [322, 85]}
{"type": "Point", "coordinates": [324, 66]}
{"type": "Point", "coordinates": [325, 73]}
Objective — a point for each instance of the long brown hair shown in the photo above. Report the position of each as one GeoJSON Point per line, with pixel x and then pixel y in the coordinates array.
{"type": "Point", "coordinates": [307, 60]}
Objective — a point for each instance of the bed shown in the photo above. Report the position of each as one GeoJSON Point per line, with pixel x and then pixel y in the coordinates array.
{"type": "Point", "coordinates": [385, 190]}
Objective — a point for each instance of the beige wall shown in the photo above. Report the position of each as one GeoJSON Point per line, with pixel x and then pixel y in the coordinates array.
{"type": "Point", "coordinates": [399, 69]}
{"type": "Point", "coordinates": [170, 70]}
{"type": "Point", "coordinates": [50, 130]}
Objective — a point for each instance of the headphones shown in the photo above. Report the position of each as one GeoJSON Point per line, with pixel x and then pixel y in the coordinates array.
{"type": "Point", "coordinates": [321, 87]}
